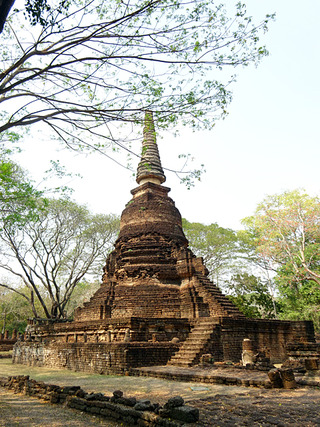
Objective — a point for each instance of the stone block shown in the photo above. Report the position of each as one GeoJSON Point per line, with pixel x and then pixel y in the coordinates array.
{"type": "Point", "coordinates": [143, 405]}
{"type": "Point", "coordinates": [128, 401]}
{"type": "Point", "coordinates": [174, 402]}
{"type": "Point", "coordinates": [80, 393]}
{"type": "Point", "coordinates": [118, 393]}
{"type": "Point", "coordinates": [107, 413]}
{"type": "Point", "coordinates": [54, 398]}
{"type": "Point", "coordinates": [275, 378]}
{"type": "Point", "coordinates": [94, 410]}
{"type": "Point", "coordinates": [96, 396]}
{"type": "Point", "coordinates": [288, 378]}
{"type": "Point", "coordinates": [312, 364]}
{"type": "Point", "coordinates": [185, 413]}
{"type": "Point", "coordinates": [128, 412]}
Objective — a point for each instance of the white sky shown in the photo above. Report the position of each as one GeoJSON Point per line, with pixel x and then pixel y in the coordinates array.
{"type": "Point", "coordinates": [269, 142]}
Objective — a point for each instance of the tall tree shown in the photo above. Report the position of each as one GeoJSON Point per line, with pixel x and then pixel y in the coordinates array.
{"type": "Point", "coordinates": [285, 230]}
{"type": "Point", "coordinates": [95, 63]}
{"type": "Point", "coordinates": [216, 245]}
{"type": "Point", "coordinates": [254, 265]}
{"type": "Point", "coordinates": [252, 296]}
{"type": "Point", "coordinates": [14, 310]}
{"type": "Point", "coordinates": [285, 233]}
{"type": "Point", "coordinates": [53, 254]}
{"type": "Point", "coordinates": [298, 300]}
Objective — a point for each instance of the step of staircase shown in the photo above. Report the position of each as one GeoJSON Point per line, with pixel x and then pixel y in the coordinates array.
{"type": "Point", "coordinates": [194, 345]}
{"type": "Point", "coordinates": [223, 304]}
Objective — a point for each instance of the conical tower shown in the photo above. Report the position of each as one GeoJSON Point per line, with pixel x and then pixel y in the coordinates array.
{"type": "Point", "coordinates": [143, 265]}
{"type": "Point", "coordinates": [151, 273]}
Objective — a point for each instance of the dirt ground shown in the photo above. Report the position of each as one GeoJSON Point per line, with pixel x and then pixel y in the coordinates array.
{"type": "Point", "coordinates": [18, 410]}
{"type": "Point", "coordinates": [219, 405]}
{"type": "Point", "coordinates": [258, 407]}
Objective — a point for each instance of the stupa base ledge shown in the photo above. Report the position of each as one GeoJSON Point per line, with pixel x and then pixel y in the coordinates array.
{"type": "Point", "coordinates": [100, 358]}
{"type": "Point", "coordinates": [137, 342]}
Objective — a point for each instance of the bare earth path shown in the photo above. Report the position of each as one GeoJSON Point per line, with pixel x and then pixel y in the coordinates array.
{"type": "Point", "coordinates": [219, 405]}
{"type": "Point", "coordinates": [19, 410]}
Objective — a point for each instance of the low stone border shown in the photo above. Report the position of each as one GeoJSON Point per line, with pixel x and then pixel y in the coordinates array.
{"type": "Point", "coordinates": [6, 356]}
{"type": "Point", "coordinates": [308, 382]}
{"type": "Point", "coordinates": [117, 407]}
{"type": "Point", "coordinates": [202, 378]}
{"type": "Point", "coordinates": [238, 377]}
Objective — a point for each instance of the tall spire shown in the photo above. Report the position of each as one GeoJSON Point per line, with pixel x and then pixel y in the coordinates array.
{"type": "Point", "coordinates": [149, 168]}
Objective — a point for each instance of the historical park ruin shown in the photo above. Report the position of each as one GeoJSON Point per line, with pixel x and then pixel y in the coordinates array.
{"type": "Point", "coordinates": [156, 305]}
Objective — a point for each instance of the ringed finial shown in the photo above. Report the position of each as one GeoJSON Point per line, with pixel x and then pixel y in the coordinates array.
{"type": "Point", "coordinates": [149, 168]}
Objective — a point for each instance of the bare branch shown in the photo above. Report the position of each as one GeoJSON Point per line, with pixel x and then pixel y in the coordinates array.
{"type": "Point", "coordinates": [56, 252]}
{"type": "Point", "coordinates": [103, 64]}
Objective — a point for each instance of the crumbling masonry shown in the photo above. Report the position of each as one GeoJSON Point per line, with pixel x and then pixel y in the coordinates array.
{"type": "Point", "coordinates": [156, 305]}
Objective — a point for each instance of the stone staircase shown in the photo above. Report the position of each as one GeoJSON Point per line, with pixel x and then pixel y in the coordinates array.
{"type": "Point", "coordinates": [99, 306]}
{"type": "Point", "coordinates": [199, 307]}
{"type": "Point", "coordinates": [210, 293]}
{"type": "Point", "coordinates": [195, 345]}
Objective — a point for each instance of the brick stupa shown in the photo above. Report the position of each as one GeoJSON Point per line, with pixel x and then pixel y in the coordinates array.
{"type": "Point", "coordinates": [156, 304]}
{"type": "Point", "coordinates": [152, 273]}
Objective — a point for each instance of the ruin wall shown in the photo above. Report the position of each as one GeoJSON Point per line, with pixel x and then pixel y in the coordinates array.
{"type": "Point", "coordinates": [110, 330]}
{"type": "Point", "coordinates": [6, 341]}
{"type": "Point", "coordinates": [102, 358]}
{"type": "Point", "coordinates": [269, 336]}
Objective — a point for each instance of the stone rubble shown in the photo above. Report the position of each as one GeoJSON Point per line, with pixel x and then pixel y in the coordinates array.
{"type": "Point", "coordinates": [117, 407]}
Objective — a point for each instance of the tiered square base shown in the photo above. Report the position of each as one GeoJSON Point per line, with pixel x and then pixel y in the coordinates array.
{"type": "Point", "coordinates": [116, 345]}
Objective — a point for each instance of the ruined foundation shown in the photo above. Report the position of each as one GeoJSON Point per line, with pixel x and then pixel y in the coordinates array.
{"type": "Point", "coordinates": [156, 304]}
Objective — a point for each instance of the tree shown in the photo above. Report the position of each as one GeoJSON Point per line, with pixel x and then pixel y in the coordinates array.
{"type": "Point", "coordinates": [82, 293]}
{"type": "Point", "coordinates": [251, 295]}
{"type": "Point", "coordinates": [14, 310]}
{"type": "Point", "coordinates": [298, 301]}
{"type": "Point", "coordinates": [216, 245]}
{"type": "Point", "coordinates": [95, 63]}
{"type": "Point", "coordinates": [253, 264]}
{"type": "Point", "coordinates": [285, 230]}
{"type": "Point", "coordinates": [285, 233]}
{"type": "Point", "coordinates": [53, 254]}
{"type": "Point", "coordinates": [18, 197]}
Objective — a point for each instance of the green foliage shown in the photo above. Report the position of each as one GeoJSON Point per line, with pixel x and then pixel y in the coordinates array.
{"type": "Point", "coordinates": [18, 197]}
{"type": "Point", "coordinates": [15, 310]}
{"type": "Point", "coordinates": [286, 230]}
{"type": "Point", "coordinates": [229, 256]}
{"type": "Point", "coordinates": [300, 300]}
{"type": "Point", "coordinates": [216, 245]}
{"type": "Point", "coordinates": [251, 295]}
{"type": "Point", "coordinates": [285, 234]}
{"type": "Point", "coordinates": [82, 292]}
{"type": "Point", "coordinates": [40, 11]}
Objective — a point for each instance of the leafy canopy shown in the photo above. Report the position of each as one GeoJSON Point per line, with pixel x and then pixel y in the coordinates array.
{"type": "Point", "coordinates": [18, 197]}
{"type": "Point", "coordinates": [252, 296]}
{"type": "Point", "coordinates": [54, 253]}
{"type": "Point", "coordinates": [285, 233]}
{"type": "Point", "coordinates": [285, 229]}
{"type": "Point", "coordinates": [79, 68]}
{"type": "Point", "coordinates": [216, 245]}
